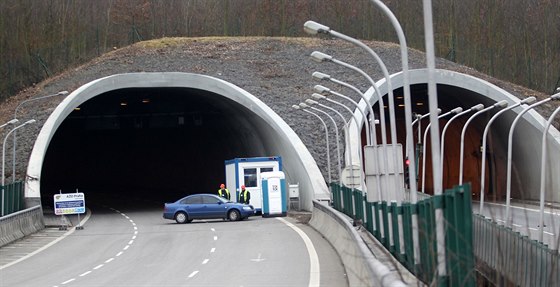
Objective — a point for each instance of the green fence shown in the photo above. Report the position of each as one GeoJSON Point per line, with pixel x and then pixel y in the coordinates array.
{"type": "Point", "coordinates": [12, 198]}
{"type": "Point", "coordinates": [392, 225]}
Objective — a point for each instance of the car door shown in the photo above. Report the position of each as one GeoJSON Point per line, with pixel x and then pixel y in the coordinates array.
{"type": "Point", "coordinates": [212, 206]}
{"type": "Point", "coordinates": [193, 205]}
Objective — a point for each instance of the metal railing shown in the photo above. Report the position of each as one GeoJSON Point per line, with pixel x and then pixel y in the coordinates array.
{"type": "Point", "coordinates": [392, 225]}
{"type": "Point", "coordinates": [12, 198]}
{"type": "Point", "coordinates": [507, 257]}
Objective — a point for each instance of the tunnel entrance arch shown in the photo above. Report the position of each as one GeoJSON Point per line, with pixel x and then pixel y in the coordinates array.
{"type": "Point", "coordinates": [254, 126]}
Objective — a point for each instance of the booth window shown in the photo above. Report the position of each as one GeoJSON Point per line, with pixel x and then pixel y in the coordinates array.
{"type": "Point", "coordinates": [250, 177]}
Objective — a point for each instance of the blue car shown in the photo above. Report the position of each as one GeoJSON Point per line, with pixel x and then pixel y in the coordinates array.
{"type": "Point", "coordinates": [206, 206]}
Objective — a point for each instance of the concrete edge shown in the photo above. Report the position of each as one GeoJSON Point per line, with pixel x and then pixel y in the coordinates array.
{"type": "Point", "coordinates": [362, 268]}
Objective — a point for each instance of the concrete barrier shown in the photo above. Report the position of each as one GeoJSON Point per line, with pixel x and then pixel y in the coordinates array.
{"type": "Point", "coordinates": [19, 224]}
{"type": "Point", "coordinates": [362, 268]}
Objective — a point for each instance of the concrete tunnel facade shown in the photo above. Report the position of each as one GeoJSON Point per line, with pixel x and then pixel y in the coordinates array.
{"type": "Point", "coordinates": [270, 135]}
{"type": "Point", "coordinates": [274, 137]}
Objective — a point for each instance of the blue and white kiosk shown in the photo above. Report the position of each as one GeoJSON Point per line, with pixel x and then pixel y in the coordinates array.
{"type": "Point", "coordinates": [274, 195]}
{"type": "Point", "coordinates": [248, 172]}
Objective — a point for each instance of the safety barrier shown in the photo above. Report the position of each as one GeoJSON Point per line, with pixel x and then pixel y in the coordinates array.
{"type": "Point", "coordinates": [20, 223]}
{"type": "Point", "coordinates": [13, 198]}
{"type": "Point", "coordinates": [392, 225]}
{"type": "Point", "coordinates": [508, 258]}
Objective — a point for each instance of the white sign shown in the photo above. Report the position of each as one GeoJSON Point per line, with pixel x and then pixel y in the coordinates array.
{"type": "Point", "coordinates": [69, 203]}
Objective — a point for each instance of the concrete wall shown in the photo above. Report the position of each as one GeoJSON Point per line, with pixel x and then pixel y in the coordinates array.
{"type": "Point", "coordinates": [20, 224]}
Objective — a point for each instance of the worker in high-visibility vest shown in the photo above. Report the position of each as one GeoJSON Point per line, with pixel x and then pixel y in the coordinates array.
{"type": "Point", "coordinates": [244, 195]}
{"type": "Point", "coordinates": [223, 192]}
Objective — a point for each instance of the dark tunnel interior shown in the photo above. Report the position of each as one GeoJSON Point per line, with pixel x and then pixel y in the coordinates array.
{"type": "Point", "coordinates": [154, 144]}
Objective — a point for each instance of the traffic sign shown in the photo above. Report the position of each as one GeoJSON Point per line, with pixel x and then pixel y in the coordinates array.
{"type": "Point", "coordinates": [69, 203]}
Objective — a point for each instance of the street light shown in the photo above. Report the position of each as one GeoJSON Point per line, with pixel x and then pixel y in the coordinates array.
{"type": "Point", "coordinates": [543, 174]}
{"type": "Point", "coordinates": [484, 136]}
{"type": "Point", "coordinates": [61, 93]}
{"type": "Point", "coordinates": [312, 27]}
{"type": "Point", "coordinates": [360, 155]}
{"type": "Point", "coordinates": [324, 90]}
{"type": "Point", "coordinates": [321, 57]}
{"type": "Point", "coordinates": [472, 109]}
{"type": "Point", "coordinates": [4, 157]}
{"type": "Point", "coordinates": [499, 104]}
{"type": "Point", "coordinates": [325, 77]}
{"type": "Point", "coordinates": [12, 121]}
{"type": "Point", "coordinates": [510, 140]}
{"type": "Point", "coordinates": [311, 102]}
{"type": "Point", "coordinates": [453, 111]}
{"type": "Point", "coordinates": [303, 107]}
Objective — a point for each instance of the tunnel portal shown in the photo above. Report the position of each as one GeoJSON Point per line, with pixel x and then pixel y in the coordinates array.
{"type": "Point", "coordinates": [151, 143]}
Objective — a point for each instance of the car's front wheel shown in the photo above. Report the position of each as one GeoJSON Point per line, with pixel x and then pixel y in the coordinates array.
{"type": "Point", "coordinates": [181, 217]}
{"type": "Point", "coordinates": [234, 215]}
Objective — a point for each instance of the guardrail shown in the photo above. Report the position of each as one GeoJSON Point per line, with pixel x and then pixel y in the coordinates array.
{"type": "Point", "coordinates": [20, 223]}
{"type": "Point", "coordinates": [507, 258]}
{"type": "Point", "coordinates": [392, 225]}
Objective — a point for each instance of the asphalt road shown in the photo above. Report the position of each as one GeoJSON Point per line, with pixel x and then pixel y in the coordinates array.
{"type": "Point", "coordinates": [137, 247]}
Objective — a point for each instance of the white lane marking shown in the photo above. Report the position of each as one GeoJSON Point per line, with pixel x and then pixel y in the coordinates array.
{"type": "Point", "coordinates": [133, 237]}
{"type": "Point", "coordinates": [126, 247]}
{"type": "Point", "coordinates": [314, 270]}
{"type": "Point", "coordinates": [205, 261]}
{"type": "Point", "coordinates": [48, 245]}
{"type": "Point", "coordinates": [213, 229]}
{"type": "Point", "coordinates": [98, 266]}
{"type": "Point", "coordinates": [109, 260]}
{"type": "Point", "coordinates": [212, 250]}
{"type": "Point", "coordinates": [85, 273]}
{"type": "Point", "coordinates": [130, 242]}
{"type": "Point", "coordinates": [68, 281]}
{"type": "Point", "coordinates": [259, 258]}
{"type": "Point", "coordinates": [192, 274]}
{"type": "Point", "coordinates": [119, 254]}
{"type": "Point", "coordinates": [215, 238]}
{"type": "Point", "coordinates": [135, 228]}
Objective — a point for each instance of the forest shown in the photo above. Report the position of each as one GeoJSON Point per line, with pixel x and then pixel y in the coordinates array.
{"type": "Point", "coordinates": [517, 41]}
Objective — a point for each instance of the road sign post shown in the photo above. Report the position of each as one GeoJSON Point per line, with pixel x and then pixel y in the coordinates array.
{"type": "Point", "coordinates": [70, 203]}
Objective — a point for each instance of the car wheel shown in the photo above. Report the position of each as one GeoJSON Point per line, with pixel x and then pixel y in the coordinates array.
{"type": "Point", "coordinates": [181, 217]}
{"type": "Point", "coordinates": [234, 215]}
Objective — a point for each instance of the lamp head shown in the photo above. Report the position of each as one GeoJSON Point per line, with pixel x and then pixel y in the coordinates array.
{"type": "Point", "coordinates": [501, 104]}
{"type": "Point", "coordinates": [456, 110]}
{"type": "Point", "coordinates": [303, 105]}
{"type": "Point", "coordinates": [555, 96]}
{"type": "Point", "coordinates": [295, 107]}
{"type": "Point", "coordinates": [528, 100]}
{"type": "Point", "coordinates": [312, 28]}
{"type": "Point", "coordinates": [29, 122]}
{"type": "Point", "coordinates": [311, 102]}
{"type": "Point", "coordinates": [318, 96]}
{"type": "Point", "coordinates": [320, 57]}
{"type": "Point", "coordinates": [320, 76]}
{"type": "Point", "coordinates": [477, 108]}
{"type": "Point", "coordinates": [13, 121]}
{"type": "Point", "coordinates": [321, 89]}
{"type": "Point", "coordinates": [62, 93]}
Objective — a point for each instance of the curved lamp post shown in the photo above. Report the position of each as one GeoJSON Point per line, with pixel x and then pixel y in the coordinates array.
{"type": "Point", "coordinates": [543, 173]}
{"type": "Point", "coordinates": [311, 102]}
{"type": "Point", "coordinates": [453, 111]}
{"type": "Point", "coordinates": [472, 109]}
{"type": "Point", "coordinates": [304, 107]}
{"type": "Point", "coordinates": [484, 136]}
{"type": "Point", "coordinates": [499, 104]}
{"type": "Point", "coordinates": [321, 57]}
{"type": "Point", "coordinates": [510, 140]}
{"type": "Point", "coordinates": [312, 27]}
{"type": "Point", "coordinates": [4, 157]}
{"type": "Point", "coordinates": [61, 93]}
{"type": "Point", "coordinates": [322, 97]}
